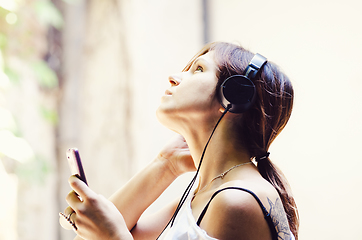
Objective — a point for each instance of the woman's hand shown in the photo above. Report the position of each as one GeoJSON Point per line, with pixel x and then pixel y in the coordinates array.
{"type": "Point", "coordinates": [94, 216]}
{"type": "Point", "coordinates": [177, 153]}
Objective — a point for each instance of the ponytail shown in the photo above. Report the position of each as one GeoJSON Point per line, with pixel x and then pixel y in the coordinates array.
{"type": "Point", "coordinates": [270, 115]}
{"type": "Point", "coordinates": [276, 178]}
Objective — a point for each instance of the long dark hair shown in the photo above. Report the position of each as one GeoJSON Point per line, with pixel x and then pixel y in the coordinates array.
{"type": "Point", "coordinates": [259, 126]}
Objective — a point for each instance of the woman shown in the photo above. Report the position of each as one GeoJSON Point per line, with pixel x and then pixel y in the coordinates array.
{"type": "Point", "coordinates": [235, 198]}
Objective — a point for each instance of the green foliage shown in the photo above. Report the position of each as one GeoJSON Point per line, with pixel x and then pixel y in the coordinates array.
{"type": "Point", "coordinates": [12, 74]}
{"type": "Point", "coordinates": [22, 24]}
{"type": "Point", "coordinates": [48, 14]}
{"type": "Point", "coordinates": [45, 76]}
{"type": "Point", "coordinates": [49, 114]}
{"type": "Point", "coordinates": [34, 171]}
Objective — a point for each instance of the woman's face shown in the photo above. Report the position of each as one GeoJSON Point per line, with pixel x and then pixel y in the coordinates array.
{"type": "Point", "coordinates": [192, 93]}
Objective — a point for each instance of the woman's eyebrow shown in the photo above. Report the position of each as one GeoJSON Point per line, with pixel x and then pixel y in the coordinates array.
{"type": "Point", "coordinates": [199, 60]}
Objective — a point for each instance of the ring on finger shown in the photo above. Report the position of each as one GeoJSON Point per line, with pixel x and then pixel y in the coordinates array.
{"type": "Point", "coordinates": [69, 220]}
{"type": "Point", "coordinates": [68, 217]}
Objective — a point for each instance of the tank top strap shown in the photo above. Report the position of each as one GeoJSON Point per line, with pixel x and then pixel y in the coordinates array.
{"type": "Point", "coordinates": [265, 212]}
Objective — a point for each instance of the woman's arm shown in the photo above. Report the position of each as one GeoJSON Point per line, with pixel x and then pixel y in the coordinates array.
{"type": "Point", "coordinates": [142, 190]}
{"type": "Point", "coordinates": [136, 196]}
{"type": "Point", "coordinates": [146, 186]}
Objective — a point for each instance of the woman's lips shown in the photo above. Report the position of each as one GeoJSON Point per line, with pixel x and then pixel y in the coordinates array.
{"type": "Point", "coordinates": [168, 92]}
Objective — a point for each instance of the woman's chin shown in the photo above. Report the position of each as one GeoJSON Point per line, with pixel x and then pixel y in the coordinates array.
{"type": "Point", "coordinates": [161, 115]}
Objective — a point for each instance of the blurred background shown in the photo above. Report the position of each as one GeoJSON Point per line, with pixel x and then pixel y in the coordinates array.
{"type": "Point", "coordinates": [90, 74]}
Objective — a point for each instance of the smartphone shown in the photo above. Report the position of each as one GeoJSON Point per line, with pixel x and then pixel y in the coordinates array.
{"type": "Point", "coordinates": [75, 164]}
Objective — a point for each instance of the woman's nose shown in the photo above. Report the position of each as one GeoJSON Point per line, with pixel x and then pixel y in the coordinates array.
{"type": "Point", "coordinates": [174, 79]}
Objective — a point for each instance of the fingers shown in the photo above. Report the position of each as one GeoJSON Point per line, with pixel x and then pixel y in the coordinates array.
{"type": "Point", "coordinates": [76, 200]}
{"type": "Point", "coordinates": [69, 220]}
{"type": "Point", "coordinates": [66, 218]}
{"type": "Point", "coordinates": [80, 187]}
{"type": "Point", "coordinates": [64, 223]}
{"type": "Point", "coordinates": [73, 201]}
{"type": "Point", "coordinates": [68, 211]}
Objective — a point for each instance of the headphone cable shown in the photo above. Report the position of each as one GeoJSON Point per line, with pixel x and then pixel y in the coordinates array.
{"type": "Point", "coordinates": [191, 184]}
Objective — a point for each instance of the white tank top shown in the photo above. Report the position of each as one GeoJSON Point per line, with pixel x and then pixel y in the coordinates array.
{"type": "Point", "coordinates": [185, 227]}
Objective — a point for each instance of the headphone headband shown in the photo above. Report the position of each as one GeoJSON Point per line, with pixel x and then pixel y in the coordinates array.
{"type": "Point", "coordinates": [239, 90]}
{"type": "Point", "coordinates": [254, 66]}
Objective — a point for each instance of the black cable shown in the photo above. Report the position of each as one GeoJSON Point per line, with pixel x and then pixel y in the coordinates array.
{"type": "Point", "coordinates": [189, 187]}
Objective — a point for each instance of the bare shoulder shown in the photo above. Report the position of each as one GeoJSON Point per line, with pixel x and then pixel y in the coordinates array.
{"type": "Point", "coordinates": [236, 214]}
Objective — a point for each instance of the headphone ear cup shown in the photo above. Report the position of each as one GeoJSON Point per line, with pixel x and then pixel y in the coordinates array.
{"type": "Point", "coordinates": [239, 91]}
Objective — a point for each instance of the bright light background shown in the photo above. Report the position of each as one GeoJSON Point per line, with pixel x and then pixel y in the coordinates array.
{"type": "Point", "coordinates": [317, 44]}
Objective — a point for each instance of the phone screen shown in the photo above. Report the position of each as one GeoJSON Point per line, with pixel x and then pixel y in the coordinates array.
{"type": "Point", "coordinates": [75, 164]}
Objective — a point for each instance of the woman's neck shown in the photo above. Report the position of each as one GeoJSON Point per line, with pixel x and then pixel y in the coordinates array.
{"type": "Point", "coordinates": [222, 153]}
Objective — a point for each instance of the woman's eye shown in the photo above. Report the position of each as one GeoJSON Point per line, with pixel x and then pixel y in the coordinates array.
{"type": "Point", "coordinates": [199, 69]}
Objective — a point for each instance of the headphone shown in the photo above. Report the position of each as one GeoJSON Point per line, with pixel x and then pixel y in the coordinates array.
{"type": "Point", "coordinates": [237, 92]}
